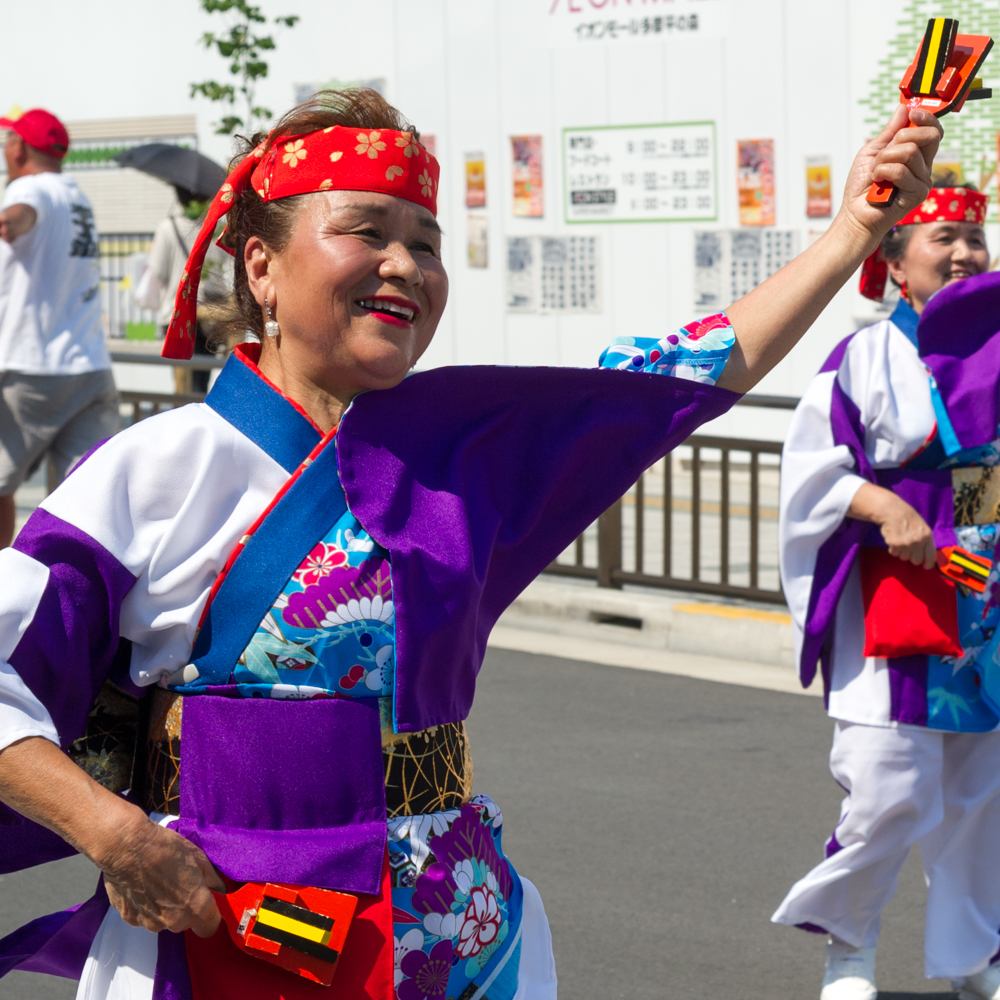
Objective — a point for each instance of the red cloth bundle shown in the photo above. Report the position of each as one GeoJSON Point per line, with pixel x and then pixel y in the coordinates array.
{"type": "Point", "coordinates": [909, 610]}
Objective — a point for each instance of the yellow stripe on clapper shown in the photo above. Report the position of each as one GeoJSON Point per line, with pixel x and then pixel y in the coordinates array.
{"type": "Point", "coordinates": [282, 923]}
{"type": "Point", "coordinates": [975, 568]}
{"type": "Point", "coordinates": [927, 80]}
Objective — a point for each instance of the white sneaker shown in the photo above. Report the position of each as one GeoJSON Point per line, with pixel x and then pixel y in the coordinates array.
{"type": "Point", "coordinates": [983, 985]}
{"type": "Point", "coordinates": [850, 973]}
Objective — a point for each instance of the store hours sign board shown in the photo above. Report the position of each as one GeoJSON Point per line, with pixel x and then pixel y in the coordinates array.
{"type": "Point", "coordinates": [640, 173]}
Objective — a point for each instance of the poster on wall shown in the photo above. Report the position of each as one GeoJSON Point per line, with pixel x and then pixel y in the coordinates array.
{"type": "Point", "coordinates": [947, 169]}
{"type": "Point", "coordinates": [819, 194]}
{"type": "Point", "coordinates": [475, 180]}
{"type": "Point", "coordinates": [728, 263]}
{"type": "Point", "coordinates": [755, 181]}
{"type": "Point", "coordinates": [526, 171]}
{"type": "Point", "coordinates": [553, 274]}
{"type": "Point", "coordinates": [478, 239]}
{"type": "Point", "coordinates": [640, 173]}
{"type": "Point", "coordinates": [429, 142]}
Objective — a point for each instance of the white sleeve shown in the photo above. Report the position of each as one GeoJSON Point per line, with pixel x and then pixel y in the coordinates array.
{"type": "Point", "coordinates": [22, 583]}
{"type": "Point", "coordinates": [884, 376]}
{"type": "Point", "coordinates": [818, 483]}
{"type": "Point", "coordinates": [127, 547]}
{"type": "Point", "coordinates": [169, 498]}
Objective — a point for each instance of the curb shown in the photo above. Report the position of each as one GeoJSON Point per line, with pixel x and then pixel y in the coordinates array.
{"type": "Point", "coordinates": [609, 654]}
{"type": "Point", "coordinates": [665, 620]}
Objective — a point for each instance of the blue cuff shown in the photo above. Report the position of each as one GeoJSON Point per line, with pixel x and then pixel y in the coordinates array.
{"type": "Point", "coordinates": [698, 351]}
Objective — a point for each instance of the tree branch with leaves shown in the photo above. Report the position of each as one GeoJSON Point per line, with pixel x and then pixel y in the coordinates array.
{"type": "Point", "coordinates": [242, 46]}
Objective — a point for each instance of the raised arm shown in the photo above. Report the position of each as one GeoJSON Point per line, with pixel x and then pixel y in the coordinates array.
{"type": "Point", "coordinates": [769, 321]}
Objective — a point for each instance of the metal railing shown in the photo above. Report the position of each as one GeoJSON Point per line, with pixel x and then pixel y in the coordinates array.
{"type": "Point", "coordinates": [703, 519]}
{"type": "Point", "coordinates": [141, 403]}
{"type": "Point", "coordinates": [119, 271]}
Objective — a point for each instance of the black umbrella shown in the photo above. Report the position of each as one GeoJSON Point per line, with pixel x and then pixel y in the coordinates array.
{"type": "Point", "coordinates": [185, 168]}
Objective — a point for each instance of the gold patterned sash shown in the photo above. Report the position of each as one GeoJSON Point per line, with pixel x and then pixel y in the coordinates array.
{"type": "Point", "coordinates": [976, 495]}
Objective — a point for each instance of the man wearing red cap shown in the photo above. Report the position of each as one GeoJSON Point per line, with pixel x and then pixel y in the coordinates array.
{"type": "Point", "coordinates": [57, 395]}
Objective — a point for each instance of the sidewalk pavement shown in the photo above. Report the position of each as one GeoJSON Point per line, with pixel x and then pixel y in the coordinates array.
{"type": "Point", "coordinates": [729, 641]}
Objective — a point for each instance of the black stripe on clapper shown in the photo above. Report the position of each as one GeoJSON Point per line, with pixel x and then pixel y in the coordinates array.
{"type": "Point", "coordinates": [925, 45]}
{"type": "Point", "coordinates": [299, 913]}
{"type": "Point", "coordinates": [948, 32]}
{"type": "Point", "coordinates": [311, 948]}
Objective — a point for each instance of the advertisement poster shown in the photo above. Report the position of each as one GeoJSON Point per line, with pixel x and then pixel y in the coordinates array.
{"type": "Point", "coordinates": [526, 170]}
{"type": "Point", "coordinates": [947, 170]}
{"type": "Point", "coordinates": [819, 194]}
{"type": "Point", "coordinates": [477, 227]}
{"type": "Point", "coordinates": [755, 180]}
{"type": "Point", "coordinates": [640, 173]}
{"type": "Point", "coordinates": [553, 274]}
{"type": "Point", "coordinates": [728, 263]}
{"type": "Point", "coordinates": [475, 180]}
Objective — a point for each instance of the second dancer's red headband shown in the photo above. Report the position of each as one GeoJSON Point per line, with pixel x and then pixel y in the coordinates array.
{"type": "Point", "coordinates": [331, 159]}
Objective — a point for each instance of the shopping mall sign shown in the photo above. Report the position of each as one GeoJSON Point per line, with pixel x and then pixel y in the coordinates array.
{"type": "Point", "coordinates": [589, 22]}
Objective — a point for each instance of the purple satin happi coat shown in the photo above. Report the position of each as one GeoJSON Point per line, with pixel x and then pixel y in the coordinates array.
{"type": "Point", "coordinates": [475, 479]}
{"type": "Point", "coordinates": [958, 338]}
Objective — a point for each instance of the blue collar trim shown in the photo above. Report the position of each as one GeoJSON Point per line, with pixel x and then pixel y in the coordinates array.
{"type": "Point", "coordinates": [262, 414]}
{"type": "Point", "coordinates": [906, 320]}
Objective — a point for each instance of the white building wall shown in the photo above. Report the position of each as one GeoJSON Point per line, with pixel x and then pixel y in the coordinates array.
{"type": "Point", "coordinates": [474, 72]}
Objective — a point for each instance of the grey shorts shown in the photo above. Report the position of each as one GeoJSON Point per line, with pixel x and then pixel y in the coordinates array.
{"type": "Point", "coordinates": [63, 415]}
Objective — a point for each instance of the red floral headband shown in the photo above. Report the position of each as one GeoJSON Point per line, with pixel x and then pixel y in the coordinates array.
{"type": "Point", "coordinates": [941, 205]}
{"type": "Point", "coordinates": [332, 159]}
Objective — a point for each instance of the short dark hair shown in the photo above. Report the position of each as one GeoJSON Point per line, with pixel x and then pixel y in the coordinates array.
{"type": "Point", "coordinates": [273, 221]}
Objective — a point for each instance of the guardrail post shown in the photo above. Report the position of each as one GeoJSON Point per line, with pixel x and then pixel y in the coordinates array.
{"type": "Point", "coordinates": [609, 546]}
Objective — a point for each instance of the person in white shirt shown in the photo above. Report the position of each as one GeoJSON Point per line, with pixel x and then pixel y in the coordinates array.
{"type": "Point", "coordinates": [167, 259]}
{"type": "Point", "coordinates": [57, 395]}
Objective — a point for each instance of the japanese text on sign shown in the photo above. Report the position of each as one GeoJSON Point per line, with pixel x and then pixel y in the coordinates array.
{"type": "Point", "coordinates": [574, 22]}
{"type": "Point", "coordinates": [643, 173]}
{"type": "Point", "coordinates": [728, 263]}
{"type": "Point", "coordinates": [553, 274]}
{"type": "Point", "coordinates": [594, 31]}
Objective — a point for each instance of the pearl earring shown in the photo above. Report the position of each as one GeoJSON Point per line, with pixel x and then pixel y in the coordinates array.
{"type": "Point", "coordinates": [271, 326]}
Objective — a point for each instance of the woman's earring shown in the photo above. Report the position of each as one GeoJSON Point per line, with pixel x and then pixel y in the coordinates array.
{"type": "Point", "coordinates": [271, 326]}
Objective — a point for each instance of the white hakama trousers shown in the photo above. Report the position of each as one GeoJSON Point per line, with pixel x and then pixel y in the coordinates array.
{"type": "Point", "coordinates": [906, 786]}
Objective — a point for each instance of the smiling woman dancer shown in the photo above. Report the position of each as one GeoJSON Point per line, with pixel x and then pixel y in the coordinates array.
{"type": "Point", "coordinates": [892, 455]}
{"type": "Point", "coordinates": [232, 558]}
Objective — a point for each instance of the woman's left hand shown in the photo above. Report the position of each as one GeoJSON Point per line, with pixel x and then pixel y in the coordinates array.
{"type": "Point", "coordinates": [902, 153]}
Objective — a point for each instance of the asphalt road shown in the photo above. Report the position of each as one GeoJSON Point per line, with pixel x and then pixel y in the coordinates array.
{"type": "Point", "coordinates": [662, 818]}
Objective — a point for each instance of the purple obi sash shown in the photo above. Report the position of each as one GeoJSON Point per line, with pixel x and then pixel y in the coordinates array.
{"type": "Point", "coordinates": [286, 791]}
